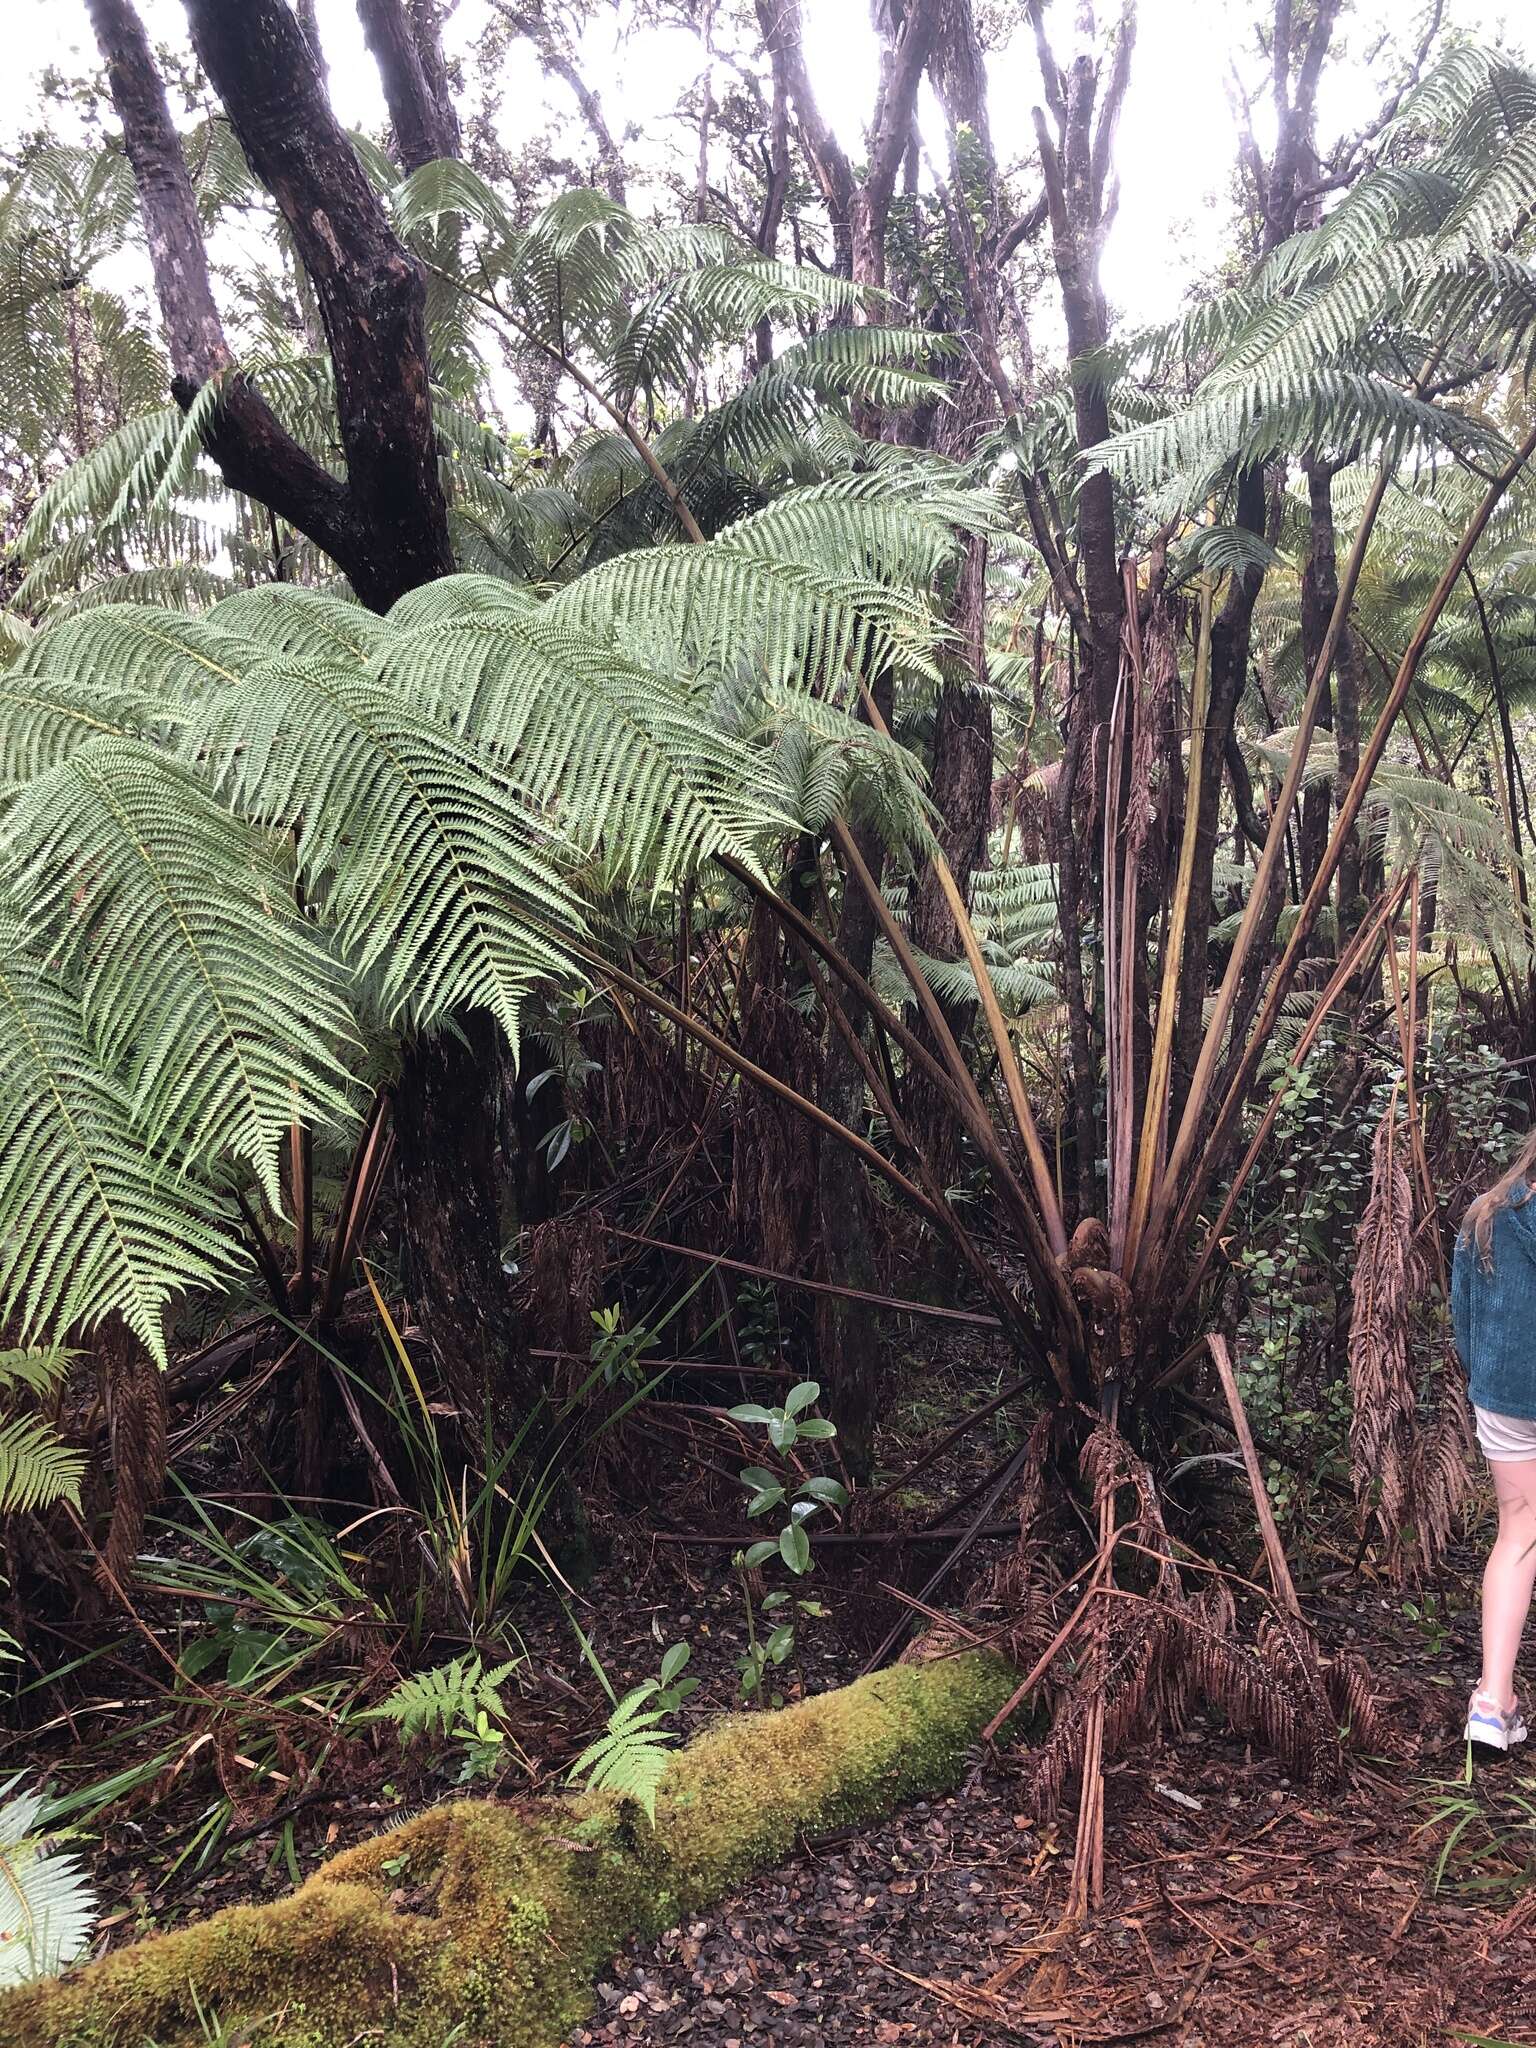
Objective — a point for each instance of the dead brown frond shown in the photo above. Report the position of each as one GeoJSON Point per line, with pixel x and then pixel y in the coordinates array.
{"type": "Point", "coordinates": [1408, 1466]}
{"type": "Point", "coordinates": [1139, 1648]}
{"type": "Point", "coordinates": [562, 1270]}
{"type": "Point", "coordinates": [133, 1389]}
{"type": "Point", "coordinates": [1016, 1586]}
{"type": "Point", "coordinates": [1440, 1462]}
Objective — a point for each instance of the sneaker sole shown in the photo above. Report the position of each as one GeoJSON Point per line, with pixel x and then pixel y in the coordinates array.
{"type": "Point", "coordinates": [1487, 1738]}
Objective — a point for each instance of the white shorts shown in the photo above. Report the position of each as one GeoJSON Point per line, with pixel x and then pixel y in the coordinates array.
{"type": "Point", "coordinates": [1505, 1436]}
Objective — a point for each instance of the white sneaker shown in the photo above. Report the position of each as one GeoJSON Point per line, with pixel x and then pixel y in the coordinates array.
{"type": "Point", "coordinates": [1488, 1724]}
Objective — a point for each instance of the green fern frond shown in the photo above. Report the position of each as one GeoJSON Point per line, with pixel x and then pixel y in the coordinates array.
{"type": "Point", "coordinates": [284, 618]}
{"type": "Point", "coordinates": [635, 772]}
{"type": "Point", "coordinates": [217, 1005]}
{"type": "Point", "coordinates": [48, 1909]}
{"type": "Point", "coordinates": [630, 1758]}
{"type": "Point", "coordinates": [94, 1222]}
{"type": "Point", "coordinates": [437, 874]}
{"type": "Point", "coordinates": [36, 1469]}
{"type": "Point", "coordinates": [40, 1368]}
{"type": "Point", "coordinates": [449, 1696]}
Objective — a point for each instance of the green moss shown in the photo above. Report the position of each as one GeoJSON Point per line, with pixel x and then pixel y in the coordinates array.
{"type": "Point", "coordinates": [500, 1917]}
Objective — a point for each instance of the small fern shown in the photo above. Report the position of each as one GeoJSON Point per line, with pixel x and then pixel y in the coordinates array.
{"type": "Point", "coordinates": [36, 1467]}
{"type": "Point", "coordinates": [448, 1697]}
{"type": "Point", "coordinates": [47, 1906]}
{"type": "Point", "coordinates": [631, 1756]}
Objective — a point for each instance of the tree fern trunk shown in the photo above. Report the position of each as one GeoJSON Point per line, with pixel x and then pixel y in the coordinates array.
{"type": "Point", "coordinates": [848, 1332]}
{"type": "Point", "coordinates": [446, 1119]}
{"type": "Point", "coordinates": [1319, 594]}
{"type": "Point", "coordinates": [961, 788]}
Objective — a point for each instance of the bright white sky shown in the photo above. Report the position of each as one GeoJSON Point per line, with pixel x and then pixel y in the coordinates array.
{"type": "Point", "coordinates": [1177, 138]}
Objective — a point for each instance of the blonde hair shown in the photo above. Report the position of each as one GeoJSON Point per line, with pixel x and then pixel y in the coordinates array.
{"type": "Point", "coordinates": [1509, 1191]}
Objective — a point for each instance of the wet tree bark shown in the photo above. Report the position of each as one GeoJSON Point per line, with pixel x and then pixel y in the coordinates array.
{"type": "Point", "coordinates": [406, 48]}
{"type": "Point", "coordinates": [1319, 593]}
{"type": "Point", "coordinates": [369, 289]}
{"type": "Point", "coordinates": [1231, 641]}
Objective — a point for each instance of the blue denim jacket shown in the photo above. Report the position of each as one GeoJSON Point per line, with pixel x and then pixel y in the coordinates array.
{"type": "Point", "coordinates": [1494, 1314]}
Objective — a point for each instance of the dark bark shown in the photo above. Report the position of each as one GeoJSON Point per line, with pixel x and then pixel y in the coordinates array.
{"type": "Point", "coordinates": [406, 49]}
{"type": "Point", "coordinates": [1231, 640]}
{"type": "Point", "coordinates": [1078, 987]}
{"type": "Point", "coordinates": [776, 175]}
{"type": "Point", "coordinates": [369, 289]}
{"type": "Point", "coordinates": [961, 787]}
{"type": "Point", "coordinates": [450, 1221]}
{"type": "Point", "coordinates": [305, 10]}
{"type": "Point", "coordinates": [255, 453]}
{"type": "Point", "coordinates": [1347, 683]}
{"type": "Point", "coordinates": [1319, 594]}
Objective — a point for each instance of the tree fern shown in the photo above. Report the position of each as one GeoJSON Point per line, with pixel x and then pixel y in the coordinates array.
{"type": "Point", "coordinates": [436, 873]}
{"type": "Point", "coordinates": [633, 770]}
{"type": "Point", "coordinates": [233, 834]}
{"type": "Point", "coordinates": [94, 1224]}
{"type": "Point", "coordinates": [1427, 253]}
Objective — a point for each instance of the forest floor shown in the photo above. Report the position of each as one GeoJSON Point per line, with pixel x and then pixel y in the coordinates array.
{"type": "Point", "coordinates": [1394, 1912]}
{"type": "Point", "coordinates": [1239, 1908]}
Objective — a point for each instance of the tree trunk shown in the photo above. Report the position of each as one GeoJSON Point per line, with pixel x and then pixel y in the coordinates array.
{"type": "Point", "coordinates": [368, 287]}
{"type": "Point", "coordinates": [446, 1119]}
{"type": "Point", "coordinates": [1231, 639]}
{"type": "Point", "coordinates": [961, 788]}
{"type": "Point", "coordinates": [406, 50]}
{"type": "Point", "coordinates": [1319, 594]}
{"type": "Point", "coordinates": [848, 1332]}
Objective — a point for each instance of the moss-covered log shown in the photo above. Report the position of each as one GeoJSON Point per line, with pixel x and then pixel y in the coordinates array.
{"type": "Point", "coordinates": [485, 1923]}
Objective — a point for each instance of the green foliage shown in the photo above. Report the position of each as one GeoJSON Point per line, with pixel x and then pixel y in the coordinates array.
{"type": "Point", "coordinates": [47, 1906]}
{"type": "Point", "coordinates": [631, 1756]}
{"type": "Point", "coordinates": [447, 1698]}
{"type": "Point", "coordinates": [1426, 254]}
{"type": "Point", "coordinates": [773, 1488]}
{"type": "Point", "coordinates": [201, 985]}
{"type": "Point", "coordinates": [95, 1223]}
{"type": "Point", "coordinates": [37, 1468]}
{"type": "Point", "coordinates": [317, 828]}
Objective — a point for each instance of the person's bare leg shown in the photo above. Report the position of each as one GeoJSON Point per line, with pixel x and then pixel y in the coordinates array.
{"type": "Point", "coordinates": [1508, 1577]}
